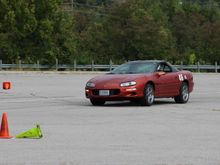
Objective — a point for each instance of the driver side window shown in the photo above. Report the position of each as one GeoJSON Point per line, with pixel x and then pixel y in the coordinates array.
{"type": "Point", "coordinates": [164, 68]}
{"type": "Point", "coordinates": [167, 68]}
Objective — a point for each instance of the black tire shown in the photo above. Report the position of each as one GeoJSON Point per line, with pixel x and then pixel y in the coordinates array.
{"type": "Point", "coordinates": [148, 99]}
{"type": "Point", "coordinates": [97, 102]}
{"type": "Point", "coordinates": [183, 96]}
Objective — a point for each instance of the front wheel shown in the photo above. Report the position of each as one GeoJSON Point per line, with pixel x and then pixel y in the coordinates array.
{"type": "Point", "coordinates": [97, 102]}
{"type": "Point", "coordinates": [148, 99]}
{"type": "Point", "coordinates": [183, 97]}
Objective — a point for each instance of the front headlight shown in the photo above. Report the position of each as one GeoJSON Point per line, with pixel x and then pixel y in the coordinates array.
{"type": "Point", "coordinates": [90, 85]}
{"type": "Point", "coordinates": [127, 84]}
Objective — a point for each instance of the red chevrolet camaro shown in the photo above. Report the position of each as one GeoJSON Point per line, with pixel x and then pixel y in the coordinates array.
{"type": "Point", "coordinates": [142, 82]}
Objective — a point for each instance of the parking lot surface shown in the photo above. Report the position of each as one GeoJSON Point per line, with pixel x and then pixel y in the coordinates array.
{"type": "Point", "coordinates": [119, 133]}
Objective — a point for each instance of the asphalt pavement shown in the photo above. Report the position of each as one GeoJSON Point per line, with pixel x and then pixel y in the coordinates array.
{"type": "Point", "coordinates": [119, 133]}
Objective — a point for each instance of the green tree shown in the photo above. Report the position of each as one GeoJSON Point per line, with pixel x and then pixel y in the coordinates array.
{"type": "Point", "coordinates": [128, 32]}
{"type": "Point", "coordinates": [138, 31]}
{"type": "Point", "coordinates": [187, 30]}
{"type": "Point", "coordinates": [35, 30]}
{"type": "Point", "coordinates": [100, 30]}
{"type": "Point", "coordinates": [17, 23]}
{"type": "Point", "coordinates": [211, 42]}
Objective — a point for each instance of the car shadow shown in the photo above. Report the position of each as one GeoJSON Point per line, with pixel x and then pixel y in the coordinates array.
{"type": "Point", "coordinates": [117, 103]}
{"type": "Point", "coordinates": [128, 103]}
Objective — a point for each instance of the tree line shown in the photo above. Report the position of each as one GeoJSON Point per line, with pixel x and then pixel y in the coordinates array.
{"type": "Point", "coordinates": [103, 30]}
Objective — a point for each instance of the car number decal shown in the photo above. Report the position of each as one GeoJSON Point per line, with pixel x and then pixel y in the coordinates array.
{"type": "Point", "coordinates": [181, 78]}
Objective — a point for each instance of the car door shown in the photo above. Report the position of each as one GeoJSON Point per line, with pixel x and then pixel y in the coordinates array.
{"type": "Point", "coordinates": [166, 84]}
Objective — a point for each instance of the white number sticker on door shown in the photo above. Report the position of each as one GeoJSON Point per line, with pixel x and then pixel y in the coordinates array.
{"type": "Point", "coordinates": [181, 78]}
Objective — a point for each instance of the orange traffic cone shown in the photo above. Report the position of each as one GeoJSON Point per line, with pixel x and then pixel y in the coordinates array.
{"type": "Point", "coordinates": [4, 132]}
{"type": "Point", "coordinates": [6, 85]}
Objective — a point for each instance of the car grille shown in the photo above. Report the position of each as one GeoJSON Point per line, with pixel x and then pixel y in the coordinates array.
{"type": "Point", "coordinates": [112, 92]}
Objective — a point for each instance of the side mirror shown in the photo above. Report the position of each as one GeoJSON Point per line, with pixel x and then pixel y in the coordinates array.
{"type": "Point", "coordinates": [161, 73]}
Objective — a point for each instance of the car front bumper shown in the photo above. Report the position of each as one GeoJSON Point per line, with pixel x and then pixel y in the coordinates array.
{"type": "Point", "coordinates": [125, 93]}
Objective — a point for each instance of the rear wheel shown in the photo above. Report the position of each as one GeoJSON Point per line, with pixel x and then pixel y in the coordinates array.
{"type": "Point", "coordinates": [148, 99]}
{"type": "Point", "coordinates": [183, 97]}
{"type": "Point", "coordinates": [97, 102]}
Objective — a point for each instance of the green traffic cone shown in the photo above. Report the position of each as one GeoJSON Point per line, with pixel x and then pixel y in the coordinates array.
{"type": "Point", "coordinates": [34, 133]}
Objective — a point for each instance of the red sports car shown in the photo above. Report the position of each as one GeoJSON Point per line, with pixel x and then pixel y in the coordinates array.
{"type": "Point", "coordinates": [141, 81]}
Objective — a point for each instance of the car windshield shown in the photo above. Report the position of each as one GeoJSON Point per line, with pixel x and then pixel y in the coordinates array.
{"type": "Point", "coordinates": [135, 68]}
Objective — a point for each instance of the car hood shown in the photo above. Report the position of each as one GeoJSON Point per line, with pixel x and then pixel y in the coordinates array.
{"type": "Point", "coordinates": [116, 78]}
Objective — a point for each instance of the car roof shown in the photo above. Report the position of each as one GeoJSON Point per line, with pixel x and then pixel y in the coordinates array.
{"type": "Point", "coordinates": [155, 62]}
{"type": "Point", "coordinates": [151, 61]}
